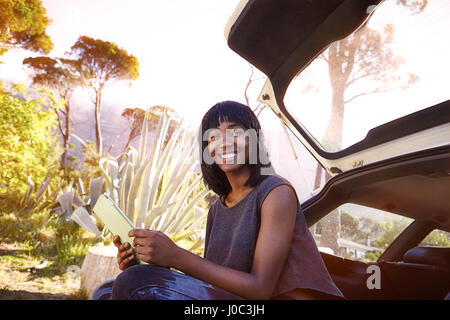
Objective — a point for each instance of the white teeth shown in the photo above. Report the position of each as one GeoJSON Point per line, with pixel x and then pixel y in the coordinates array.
{"type": "Point", "coordinates": [228, 156]}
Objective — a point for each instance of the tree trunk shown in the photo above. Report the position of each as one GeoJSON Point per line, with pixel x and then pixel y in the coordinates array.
{"type": "Point", "coordinates": [331, 231]}
{"type": "Point", "coordinates": [99, 265]}
{"type": "Point", "coordinates": [332, 140]}
{"type": "Point", "coordinates": [66, 133]}
{"type": "Point", "coordinates": [98, 133]}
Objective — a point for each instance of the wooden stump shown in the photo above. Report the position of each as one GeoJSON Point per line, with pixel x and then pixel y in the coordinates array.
{"type": "Point", "coordinates": [99, 265]}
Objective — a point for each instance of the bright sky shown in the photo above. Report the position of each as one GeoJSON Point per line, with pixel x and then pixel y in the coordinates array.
{"type": "Point", "coordinates": [185, 62]}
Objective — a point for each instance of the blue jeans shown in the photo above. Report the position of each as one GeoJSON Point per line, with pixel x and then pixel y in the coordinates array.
{"type": "Point", "coordinates": [144, 282]}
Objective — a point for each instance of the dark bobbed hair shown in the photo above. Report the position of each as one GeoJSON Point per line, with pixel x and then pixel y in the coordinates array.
{"type": "Point", "coordinates": [231, 111]}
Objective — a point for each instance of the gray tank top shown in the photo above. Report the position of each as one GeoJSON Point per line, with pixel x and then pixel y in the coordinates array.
{"type": "Point", "coordinates": [231, 234]}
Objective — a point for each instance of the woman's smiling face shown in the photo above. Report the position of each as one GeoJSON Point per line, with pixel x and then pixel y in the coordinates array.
{"type": "Point", "coordinates": [228, 146]}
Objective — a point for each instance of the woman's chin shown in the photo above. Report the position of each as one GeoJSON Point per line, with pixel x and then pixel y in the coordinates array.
{"type": "Point", "coordinates": [230, 167]}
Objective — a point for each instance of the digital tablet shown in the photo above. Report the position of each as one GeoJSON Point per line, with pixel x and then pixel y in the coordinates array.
{"type": "Point", "coordinates": [114, 219]}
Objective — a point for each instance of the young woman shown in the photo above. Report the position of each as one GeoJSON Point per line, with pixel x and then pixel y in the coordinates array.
{"type": "Point", "coordinates": [257, 243]}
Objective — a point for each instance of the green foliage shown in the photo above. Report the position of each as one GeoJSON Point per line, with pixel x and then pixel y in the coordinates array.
{"type": "Point", "coordinates": [28, 143]}
{"type": "Point", "coordinates": [104, 60]}
{"type": "Point", "coordinates": [100, 62]}
{"type": "Point", "coordinates": [391, 229]}
{"type": "Point", "coordinates": [437, 238]}
{"type": "Point", "coordinates": [47, 236]}
{"type": "Point", "coordinates": [43, 198]}
{"type": "Point", "coordinates": [60, 74]}
{"type": "Point", "coordinates": [372, 256]}
{"type": "Point", "coordinates": [23, 24]}
{"type": "Point", "coordinates": [358, 229]}
{"type": "Point", "coordinates": [90, 167]}
{"type": "Point", "coordinates": [21, 229]}
{"type": "Point", "coordinates": [63, 76]}
{"type": "Point", "coordinates": [363, 229]}
{"type": "Point", "coordinates": [349, 225]}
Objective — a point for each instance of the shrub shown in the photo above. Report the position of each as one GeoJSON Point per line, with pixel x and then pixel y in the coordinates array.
{"type": "Point", "coordinates": [28, 144]}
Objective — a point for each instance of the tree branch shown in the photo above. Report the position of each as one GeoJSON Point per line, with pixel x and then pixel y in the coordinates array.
{"type": "Point", "coordinates": [357, 78]}
{"type": "Point", "coordinates": [367, 93]}
{"type": "Point", "coordinates": [62, 111]}
{"type": "Point", "coordinates": [248, 85]}
{"type": "Point", "coordinates": [59, 121]}
{"type": "Point", "coordinates": [260, 110]}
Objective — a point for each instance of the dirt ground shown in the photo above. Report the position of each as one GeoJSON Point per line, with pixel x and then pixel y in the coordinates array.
{"type": "Point", "coordinates": [19, 280]}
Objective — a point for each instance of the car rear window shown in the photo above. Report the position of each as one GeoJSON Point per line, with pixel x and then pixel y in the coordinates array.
{"type": "Point", "coordinates": [394, 65]}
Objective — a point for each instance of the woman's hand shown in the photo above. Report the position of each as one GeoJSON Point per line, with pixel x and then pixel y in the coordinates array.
{"type": "Point", "coordinates": [154, 247]}
{"type": "Point", "coordinates": [125, 255]}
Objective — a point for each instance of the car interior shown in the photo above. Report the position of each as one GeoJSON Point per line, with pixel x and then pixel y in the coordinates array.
{"type": "Point", "coordinates": [414, 186]}
{"type": "Point", "coordinates": [281, 38]}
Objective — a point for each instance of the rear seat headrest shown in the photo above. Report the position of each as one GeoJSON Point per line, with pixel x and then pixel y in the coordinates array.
{"type": "Point", "coordinates": [428, 255]}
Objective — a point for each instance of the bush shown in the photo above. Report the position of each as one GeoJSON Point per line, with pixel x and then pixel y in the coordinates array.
{"type": "Point", "coordinates": [28, 143]}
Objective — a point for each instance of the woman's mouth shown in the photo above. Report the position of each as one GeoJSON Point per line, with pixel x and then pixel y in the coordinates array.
{"type": "Point", "coordinates": [228, 157]}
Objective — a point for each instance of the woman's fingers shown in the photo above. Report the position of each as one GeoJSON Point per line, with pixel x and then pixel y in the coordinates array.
{"type": "Point", "coordinates": [139, 242]}
{"type": "Point", "coordinates": [140, 233]}
{"type": "Point", "coordinates": [149, 246]}
{"type": "Point", "coordinates": [125, 263]}
{"type": "Point", "coordinates": [126, 253]}
{"type": "Point", "coordinates": [126, 257]}
{"type": "Point", "coordinates": [143, 250]}
{"type": "Point", "coordinates": [124, 246]}
{"type": "Point", "coordinates": [116, 241]}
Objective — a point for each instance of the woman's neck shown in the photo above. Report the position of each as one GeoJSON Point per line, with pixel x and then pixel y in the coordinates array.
{"type": "Point", "coordinates": [237, 180]}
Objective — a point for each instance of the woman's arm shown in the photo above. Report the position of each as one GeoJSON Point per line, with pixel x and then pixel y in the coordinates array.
{"type": "Point", "coordinates": [278, 214]}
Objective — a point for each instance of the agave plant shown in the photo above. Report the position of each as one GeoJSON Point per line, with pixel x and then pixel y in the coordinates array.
{"type": "Point", "coordinates": [41, 200]}
{"type": "Point", "coordinates": [158, 187]}
{"type": "Point", "coordinates": [83, 204]}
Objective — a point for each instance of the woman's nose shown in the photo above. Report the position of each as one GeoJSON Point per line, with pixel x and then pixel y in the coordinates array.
{"type": "Point", "coordinates": [226, 146]}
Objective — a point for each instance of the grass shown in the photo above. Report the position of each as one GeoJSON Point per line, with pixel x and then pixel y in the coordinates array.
{"type": "Point", "coordinates": [26, 241]}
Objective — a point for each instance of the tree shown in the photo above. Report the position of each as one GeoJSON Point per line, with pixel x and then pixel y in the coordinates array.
{"type": "Point", "coordinates": [349, 226]}
{"type": "Point", "coordinates": [136, 117]}
{"type": "Point", "coordinates": [23, 24]}
{"type": "Point", "coordinates": [391, 228]}
{"type": "Point", "coordinates": [363, 58]}
{"type": "Point", "coordinates": [28, 146]}
{"type": "Point", "coordinates": [62, 75]}
{"type": "Point", "coordinates": [103, 61]}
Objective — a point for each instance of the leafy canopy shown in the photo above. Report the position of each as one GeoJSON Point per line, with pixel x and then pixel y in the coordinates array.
{"type": "Point", "coordinates": [23, 24]}
{"type": "Point", "coordinates": [104, 61]}
{"type": "Point", "coordinates": [58, 73]}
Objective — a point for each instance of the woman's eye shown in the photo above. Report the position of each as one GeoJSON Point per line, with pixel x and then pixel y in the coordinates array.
{"type": "Point", "coordinates": [238, 132]}
{"type": "Point", "coordinates": [214, 137]}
